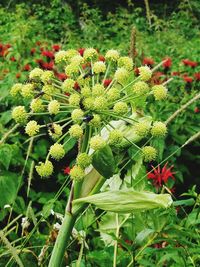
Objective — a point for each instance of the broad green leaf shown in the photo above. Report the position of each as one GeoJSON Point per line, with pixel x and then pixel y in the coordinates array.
{"type": "Point", "coordinates": [104, 162]}
{"type": "Point", "coordinates": [126, 201]}
{"type": "Point", "coordinates": [5, 155]}
{"type": "Point", "coordinates": [8, 188]}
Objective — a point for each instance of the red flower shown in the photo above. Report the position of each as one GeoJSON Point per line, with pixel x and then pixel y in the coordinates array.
{"type": "Point", "coordinates": [67, 170]}
{"type": "Point", "coordinates": [13, 58]}
{"type": "Point", "coordinates": [76, 86]}
{"type": "Point", "coordinates": [38, 43]}
{"type": "Point", "coordinates": [187, 79]}
{"type": "Point", "coordinates": [48, 54]}
{"type": "Point", "coordinates": [196, 110]}
{"type": "Point", "coordinates": [40, 62]}
{"type": "Point", "coordinates": [81, 51]}
{"type": "Point", "coordinates": [167, 63]}
{"type": "Point", "coordinates": [136, 71]}
{"type": "Point", "coordinates": [48, 65]}
{"type": "Point", "coordinates": [56, 47]}
{"type": "Point", "coordinates": [33, 50]}
{"type": "Point", "coordinates": [27, 67]}
{"type": "Point", "coordinates": [190, 63]}
{"type": "Point", "coordinates": [148, 61]}
{"type": "Point", "coordinates": [107, 82]}
{"type": "Point", "coordinates": [18, 75]}
{"type": "Point", "coordinates": [61, 76]}
{"type": "Point", "coordinates": [101, 58]}
{"type": "Point", "coordinates": [160, 176]}
{"type": "Point", "coordinates": [175, 73]}
{"type": "Point", "coordinates": [8, 46]}
{"type": "Point", "coordinates": [197, 76]}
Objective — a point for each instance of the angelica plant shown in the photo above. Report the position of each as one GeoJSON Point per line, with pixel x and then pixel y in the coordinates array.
{"type": "Point", "coordinates": [105, 118]}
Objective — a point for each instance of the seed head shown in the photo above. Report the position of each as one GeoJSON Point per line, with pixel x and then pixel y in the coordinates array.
{"type": "Point", "coordinates": [149, 153]}
{"type": "Point", "coordinates": [77, 173]}
{"type": "Point", "coordinates": [16, 89]}
{"type": "Point", "coordinates": [99, 67]}
{"type": "Point", "coordinates": [125, 62]}
{"type": "Point", "coordinates": [47, 76]}
{"type": "Point", "coordinates": [35, 74]}
{"type": "Point", "coordinates": [76, 131]}
{"type": "Point", "coordinates": [19, 114]}
{"type": "Point", "coordinates": [121, 75]}
{"type": "Point", "coordinates": [53, 107]}
{"type": "Point", "coordinates": [145, 73]}
{"type": "Point", "coordinates": [83, 160]}
{"type": "Point", "coordinates": [159, 92]}
{"type": "Point", "coordinates": [120, 108]}
{"type": "Point", "coordinates": [77, 115]}
{"type": "Point", "coordinates": [32, 128]}
{"type": "Point", "coordinates": [90, 53]}
{"type": "Point", "coordinates": [98, 90]}
{"type": "Point", "coordinates": [57, 151]}
{"type": "Point", "coordinates": [74, 99]}
{"type": "Point", "coordinates": [140, 88]}
{"type": "Point", "coordinates": [159, 129]}
{"type": "Point", "coordinates": [112, 55]}
{"type": "Point", "coordinates": [97, 142]}
{"type": "Point", "coordinates": [27, 90]}
{"type": "Point", "coordinates": [36, 105]}
{"type": "Point", "coordinates": [115, 137]}
{"type": "Point", "coordinates": [44, 169]}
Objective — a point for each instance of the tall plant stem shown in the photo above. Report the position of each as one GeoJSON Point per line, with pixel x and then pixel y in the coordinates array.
{"type": "Point", "coordinates": [116, 242]}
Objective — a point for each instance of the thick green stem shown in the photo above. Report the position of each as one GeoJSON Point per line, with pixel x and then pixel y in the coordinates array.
{"type": "Point", "coordinates": [62, 239]}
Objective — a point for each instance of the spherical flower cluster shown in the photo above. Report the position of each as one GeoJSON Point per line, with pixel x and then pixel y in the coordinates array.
{"type": "Point", "coordinates": [57, 151]}
{"type": "Point", "coordinates": [70, 53]}
{"type": "Point", "coordinates": [16, 89]}
{"type": "Point", "coordinates": [19, 114]}
{"type": "Point", "coordinates": [76, 131]}
{"type": "Point", "coordinates": [100, 103]}
{"type": "Point", "coordinates": [77, 60]}
{"type": "Point", "coordinates": [61, 56]}
{"type": "Point", "coordinates": [27, 90]}
{"type": "Point", "coordinates": [140, 88]}
{"type": "Point", "coordinates": [159, 92]}
{"type": "Point", "coordinates": [77, 173]}
{"type": "Point", "coordinates": [55, 131]}
{"type": "Point", "coordinates": [74, 99]}
{"type": "Point", "coordinates": [48, 89]}
{"type": "Point", "coordinates": [77, 115]}
{"type": "Point", "coordinates": [125, 62]}
{"type": "Point", "coordinates": [37, 105]}
{"type": "Point", "coordinates": [83, 160]}
{"type": "Point", "coordinates": [115, 137]}
{"type": "Point", "coordinates": [35, 74]}
{"type": "Point", "coordinates": [96, 121]}
{"type": "Point", "coordinates": [44, 169]}
{"type": "Point", "coordinates": [68, 85]}
{"type": "Point", "coordinates": [97, 142]}
{"type": "Point", "coordinates": [47, 76]}
{"type": "Point", "coordinates": [99, 67]}
{"type": "Point", "coordinates": [90, 53]}
{"type": "Point", "coordinates": [98, 90]}
{"type": "Point", "coordinates": [88, 103]}
{"type": "Point", "coordinates": [112, 55]}
{"type": "Point", "coordinates": [149, 153]}
{"type": "Point", "coordinates": [53, 107]}
{"type": "Point", "coordinates": [85, 91]}
{"type": "Point", "coordinates": [71, 69]}
{"type": "Point", "coordinates": [121, 75]}
{"type": "Point", "coordinates": [113, 94]}
{"type": "Point", "coordinates": [159, 129]}
{"type": "Point", "coordinates": [145, 73]}
{"type": "Point", "coordinates": [142, 128]}
{"type": "Point", "coordinates": [32, 128]}
{"type": "Point", "coordinates": [120, 108]}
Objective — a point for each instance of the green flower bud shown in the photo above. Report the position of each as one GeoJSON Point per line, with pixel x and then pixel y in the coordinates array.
{"type": "Point", "coordinates": [16, 89]}
{"type": "Point", "coordinates": [120, 108]}
{"type": "Point", "coordinates": [55, 131]}
{"type": "Point", "coordinates": [48, 89]}
{"type": "Point", "coordinates": [100, 103]}
{"type": "Point", "coordinates": [145, 73]}
{"type": "Point", "coordinates": [61, 56]}
{"type": "Point", "coordinates": [125, 62]}
{"type": "Point", "coordinates": [149, 153]}
{"type": "Point", "coordinates": [76, 131]}
{"type": "Point", "coordinates": [53, 107]}
{"type": "Point", "coordinates": [71, 69]}
{"type": "Point", "coordinates": [97, 142]}
{"type": "Point", "coordinates": [47, 76]}
{"type": "Point", "coordinates": [159, 92]}
{"type": "Point", "coordinates": [83, 160]}
{"type": "Point", "coordinates": [70, 53]}
{"type": "Point", "coordinates": [57, 151]}
{"type": "Point", "coordinates": [32, 128]}
{"type": "Point", "coordinates": [35, 74]}
{"type": "Point", "coordinates": [77, 60]}
{"type": "Point", "coordinates": [121, 75]}
{"type": "Point", "coordinates": [90, 53]}
{"type": "Point", "coordinates": [112, 55]}
{"type": "Point", "coordinates": [99, 67]}
{"type": "Point", "coordinates": [159, 129]}
{"type": "Point", "coordinates": [77, 115]}
{"type": "Point", "coordinates": [142, 128]}
{"type": "Point", "coordinates": [77, 173]}
{"type": "Point", "coordinates": [27, 90]}
{"type": "Point", "coordinates": [44, 169]}
{"type": "Point", "coordinates": [19, 114]}
{"type": "Point", "coordinates": [68, 85]}
{"type": "Point", "coordinates": [115, 137]}
{"type": "Point", "coordinates": [74, 99]}
{"type": "Point", "coordinates": [98, 90]}
{"type": "Point", "coordinates": [37, 105]}
{"type": "Point", "coordinates": [96, 121]}
{"type": "Point", "coordinates": [113, 94]}
{"type": "Point", "coordinates": [89, 103]}
{"type": "Point", "coordinates": [85, 91]}
{"type": "Point", "coordinates": [140, 88]}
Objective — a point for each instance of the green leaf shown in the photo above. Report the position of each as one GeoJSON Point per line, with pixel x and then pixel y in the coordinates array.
{"type": "Point", "coordinates": [8, 188]}
{"type": "Point", "coordinates": [70, 143]}
{"type": "Point", "coordinates": [184, 202]}
{"type": "Point", "coordinates": [126, 201]}
{"type": "Point", "coordinates": [104, 162]}
{"type": "Point", "coordinates": [5, 155]}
